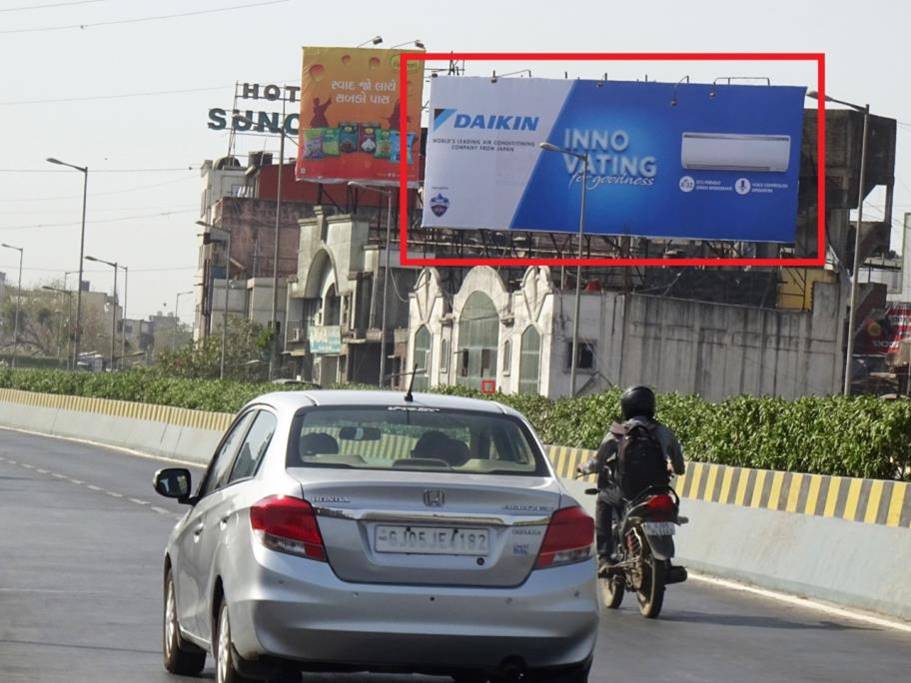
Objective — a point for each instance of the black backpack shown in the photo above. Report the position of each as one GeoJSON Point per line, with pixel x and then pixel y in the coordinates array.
{"type": "Point", "coordinates": [640, 460]}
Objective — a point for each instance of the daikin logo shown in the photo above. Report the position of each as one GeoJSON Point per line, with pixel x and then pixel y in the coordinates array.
{"type": "Point", "coordinates": [485, 121]}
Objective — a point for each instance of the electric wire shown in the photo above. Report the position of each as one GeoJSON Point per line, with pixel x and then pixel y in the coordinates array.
{"type": "Point", "coordinates": [137, 20]}
{"type": "Point", "coordinates": [25, 8]}
{"type": "Point", "coordinates": [96, 222]}
{"type": "Point", "coordinates": [107, 193]}
{"type": "Point", "coordinates": [104, 170]}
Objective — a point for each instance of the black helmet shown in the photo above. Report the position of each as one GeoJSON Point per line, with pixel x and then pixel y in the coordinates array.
{"type": "Point", "coordinates": [637, 401]}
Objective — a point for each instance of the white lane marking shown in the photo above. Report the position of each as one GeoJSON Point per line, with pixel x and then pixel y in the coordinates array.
{"type": "Point", "coordinates": [806, 603]}
{"type": "Point", "coordinates": [12, 462]}
{"type": "Point", "coordinates": [114, 494]}
{"type": "Point", "coordinates": [109, 447]}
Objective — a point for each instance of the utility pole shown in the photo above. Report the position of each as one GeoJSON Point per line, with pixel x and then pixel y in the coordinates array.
{"type": "Point", "coordinates": [273, 357]}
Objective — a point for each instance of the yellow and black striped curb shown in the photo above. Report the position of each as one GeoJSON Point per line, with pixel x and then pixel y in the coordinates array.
{"type": "Point", "coordinates": [871, 501]}
{"type": "Point", "coordinates": [181, 417]}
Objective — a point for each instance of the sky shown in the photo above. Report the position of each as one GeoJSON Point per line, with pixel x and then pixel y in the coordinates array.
{"type": "Point", "coordinates": [81, 95]}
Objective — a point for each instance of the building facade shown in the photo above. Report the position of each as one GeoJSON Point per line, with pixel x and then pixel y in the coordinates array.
{"type": "Point", "coordinates": [486, 337]}
{"type": "Point", "coordinates": [336, 306]}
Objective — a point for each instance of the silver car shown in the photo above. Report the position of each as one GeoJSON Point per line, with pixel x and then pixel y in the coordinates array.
{"type": "Point", "coordinates": [371, 531]}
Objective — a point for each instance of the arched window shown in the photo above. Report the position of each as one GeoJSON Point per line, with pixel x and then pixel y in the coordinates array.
{"type": "Point", "coordinates": [479, 336]}
{"type": "Point", "coordinates": [529, 361]}
{"type": "Point", "coordinates": [331, 307]}
{"type": "Point", "coordinates": [422, 358]}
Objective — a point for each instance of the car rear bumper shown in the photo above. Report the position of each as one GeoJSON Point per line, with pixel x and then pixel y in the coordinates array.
{"type": "Point", "coordinates": [298, 610]}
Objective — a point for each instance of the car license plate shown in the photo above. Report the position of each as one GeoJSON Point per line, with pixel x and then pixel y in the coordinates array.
{"type": "Point", "coordinates": [659, 528]}
{"type": "Point", "coordinates": [426, 540]}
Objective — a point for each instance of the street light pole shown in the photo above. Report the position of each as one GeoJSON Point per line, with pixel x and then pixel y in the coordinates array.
{"type": "Point", "coordinates": [224, 317]}
{"type": "Point", "coordinates": [123, 318]}
{"type": "Point", "coordinates": [18, 306]}
{"type": "Point", "coordinates": [115, 266]}
{"type": "Point", "coordinates": [273, 357]}
{"type": "Point", "coordinates": [215, 234]}
{"type": "Point", "coordinates": [855, 269]}
{"type": "Point", "coordinates": [386, 275]}
{"type": "Point", "coordinates": [574, 361]}
{"type": "Point", "coordinates": [85, 190]}
{"type": "Point", "coordinates": [857, 262]}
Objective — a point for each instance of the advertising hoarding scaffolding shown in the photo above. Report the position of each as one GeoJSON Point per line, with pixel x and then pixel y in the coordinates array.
{"type": "Point", "coordinates": [350, 120]}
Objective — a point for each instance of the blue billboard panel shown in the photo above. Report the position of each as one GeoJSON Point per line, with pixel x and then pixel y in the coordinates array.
{"type": "Point", "coordinates": [683, 161]}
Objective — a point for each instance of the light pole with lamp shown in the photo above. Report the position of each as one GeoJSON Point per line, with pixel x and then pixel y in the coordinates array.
{"type": "Point", "coordinates": [855, 268]}
{"type": "Point", "coordinates": [574, 362]}
{"type": "Point", "coordinates": [221, 235]}
{"type": "Point", "coordinates": [273, 356]}
{"type": "Point", "coordinates": [376, 40]}
{"type": "Point", "coordinates": [85, 189]}
{"type": "Point", "coordinates": [386, 271]}
{"type": "Point", "coordinates": [115, 266]}
{"type": "Point", "coordinates": [18, 305]}
{"type": "Point", "coordinates": [123, 317]}
{"type": "Point", "coordinates": [69, 308]}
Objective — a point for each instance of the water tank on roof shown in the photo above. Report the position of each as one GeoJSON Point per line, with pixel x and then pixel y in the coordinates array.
{"type": "Point", "coordinates": [226, 163]}
{"type": "Point", "coordinates": [259, 159]}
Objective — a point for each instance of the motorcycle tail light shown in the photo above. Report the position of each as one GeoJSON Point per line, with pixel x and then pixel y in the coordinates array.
{"type": "Point", "coordinates": [661, 506]}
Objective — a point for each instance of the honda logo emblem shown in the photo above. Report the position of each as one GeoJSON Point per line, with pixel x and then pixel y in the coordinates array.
{"type": "Point", "coordinates": [434, 498]}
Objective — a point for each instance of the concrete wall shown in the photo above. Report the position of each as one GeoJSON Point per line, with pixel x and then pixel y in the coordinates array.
{"type": "Point", "coordinates": [711, 349]}
{"type": "Point", "coordinates": [179, 433]}
{"type": "Point", "coordinates": [843, 540]}
{"type": "Point", "coordinates": [717, 350]}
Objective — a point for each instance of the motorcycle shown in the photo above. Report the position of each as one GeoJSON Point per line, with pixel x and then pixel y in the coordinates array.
{"type": "Point", "coordinates": [644, 543]}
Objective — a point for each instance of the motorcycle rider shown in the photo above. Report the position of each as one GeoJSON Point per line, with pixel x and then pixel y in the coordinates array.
{"type": "Point", "coordinates": [637, 406]}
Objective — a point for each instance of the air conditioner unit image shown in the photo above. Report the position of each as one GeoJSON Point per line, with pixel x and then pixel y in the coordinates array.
{"type": "Point", "coordinates": [735, 152]}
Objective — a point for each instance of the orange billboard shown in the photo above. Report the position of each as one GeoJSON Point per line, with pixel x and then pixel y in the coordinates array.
{"type": "Point", "coordinates": [350, 114]}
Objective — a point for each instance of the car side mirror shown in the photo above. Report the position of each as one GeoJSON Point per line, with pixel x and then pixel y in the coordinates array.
{"type": "Point", "coordinates": [173, 482]}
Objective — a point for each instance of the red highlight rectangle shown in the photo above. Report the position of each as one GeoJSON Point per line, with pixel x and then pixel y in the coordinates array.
{"type": "Point", "coordinates": [817, 261]}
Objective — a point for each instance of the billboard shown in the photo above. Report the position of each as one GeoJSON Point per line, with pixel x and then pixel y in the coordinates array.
{"type": "Point", "coordinates": [684, 161]}
{"type": "Point", "coordinates": [349, 116]}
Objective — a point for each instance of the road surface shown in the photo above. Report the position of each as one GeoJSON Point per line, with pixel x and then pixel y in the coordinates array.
{"type": "Point", "coordinates": [81, 539]}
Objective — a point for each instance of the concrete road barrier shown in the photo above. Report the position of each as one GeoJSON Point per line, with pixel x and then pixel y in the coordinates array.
{"type": "Point", "coordinates": [847, 541]}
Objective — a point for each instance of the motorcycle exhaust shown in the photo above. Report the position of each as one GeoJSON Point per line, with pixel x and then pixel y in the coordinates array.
{"type": "Point", "coordinates": [676, 575]}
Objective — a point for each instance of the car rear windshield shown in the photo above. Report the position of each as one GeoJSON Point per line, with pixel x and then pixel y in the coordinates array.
{"type": "Point", "coordinates": [418, 438]}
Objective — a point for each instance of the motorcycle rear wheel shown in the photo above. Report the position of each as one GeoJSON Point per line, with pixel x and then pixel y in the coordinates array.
{"type": "Point", "coordinates": [651, 593]}
{"type": "Point", "coordinates": [612, 590]}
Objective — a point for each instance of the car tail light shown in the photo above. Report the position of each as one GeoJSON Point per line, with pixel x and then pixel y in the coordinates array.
{"type": "Point", "coordinates": [661, 506]}
{"type": "Point", "coordinates": [288, 525]}
{"type": "Point", "coordinates": [569, 538]}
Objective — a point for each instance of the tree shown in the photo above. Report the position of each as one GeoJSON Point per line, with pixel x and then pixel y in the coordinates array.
{"type": "Point", "coordinates": [246, 348]}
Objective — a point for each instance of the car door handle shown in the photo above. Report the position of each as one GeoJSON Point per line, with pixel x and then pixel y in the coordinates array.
{"type": "Point", "coordinates": [223, 522]}
{"type": "Point", "coordinates": [198, 530]}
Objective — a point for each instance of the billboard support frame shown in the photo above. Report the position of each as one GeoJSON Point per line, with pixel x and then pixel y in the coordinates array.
{"type": "Point", "coordinates": [816, 261]}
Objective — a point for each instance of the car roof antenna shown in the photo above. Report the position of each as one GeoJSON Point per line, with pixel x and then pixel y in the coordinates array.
{"type": "Point", "coordinates": [408, 395]}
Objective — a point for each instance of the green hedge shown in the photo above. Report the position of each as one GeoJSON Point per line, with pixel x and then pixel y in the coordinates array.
{"type": "Point", "coordinates": [860, 436]}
